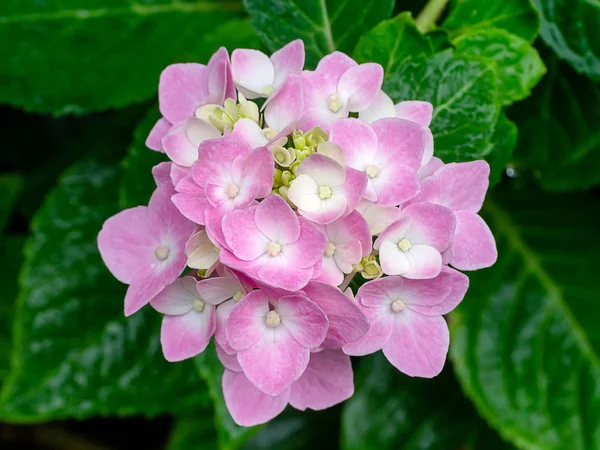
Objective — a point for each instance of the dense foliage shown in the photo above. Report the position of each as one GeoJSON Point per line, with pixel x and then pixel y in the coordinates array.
{"type": "Point", "coordinates": [516, 82]}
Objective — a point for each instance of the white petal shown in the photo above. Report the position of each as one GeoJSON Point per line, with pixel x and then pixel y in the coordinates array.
{"type": "Point", "coordinates": [199, 131]}
{"type": "Point", "coordinates": [304, 193]}
{"type": "Point", "coordinates": [393, 260]}
{"type": "Point", "coordinates": [253, 71]}
{"type": "Point", "coordinates": [380, 108]}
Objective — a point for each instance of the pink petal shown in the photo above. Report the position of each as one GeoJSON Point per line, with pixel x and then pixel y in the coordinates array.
{"type": "Point", "coordinates": [252, 71]}
{"type": "Point", "coordinates": [354, 188]}
{"type": "Point", "coordinates": [286, 106]}
{"type": "Point", "coordinates": [464, 185]}
{"type": "Point", "coordinates": [177, 298]}
{"type": "Point", "coordinates": [330, 69]}
{"type": "Point", "coordinates": [378, 217]}
{"type": "Point", "coordinates": [145, 285]}
{"type": "Point", "coordinates": [247, 320]}
{"type": "Point", "coordinates": [395, 184]}
{"type": "Point", "coordinates": [328, 210]}
{"type": "Point", "coordinates": [431, 225]}
{"type": "Point", "coordinates": [178, 173]}
{"type": "Point", "coordinates": [380, 108]}
{"type": "Point", "coordinates": [166, 220]}
{"type": "Point", "coordinates": [273, 362]}
{"type": "Point", "coordinates": [127, 244]}
{"type": "Point", "coordinates": [217, 289]}
{"type": "Point", "coordinates": [305, 321]}
{"type": "Point", "coordinates": [424, 262]}
{"type": "Point", "coordinates": [288, 60]}
{"type": "Point", "coordinates": [459, 284]}
{"type": "Point", "coordinates": [330, 272]}
{"type": "Point", "coordinates": [178, 147]}
{"type": "Point", "coordinates": [360, 85]}
{"type": "Point", "coordinates": [223, 311]}
{"type": "Point", "coordinates": [220, 79]}
{"type": "Point", "coordinates": [277, 221]}
{"type": "Point", "coordinates": [346, 255]}
{"type": "Point", "coordinates": [379, 333]}
{"type": "Point", "coordinates": [400, 141]}
{"type": "Point", "coordinates": [248, 405]}
{"type": "Point", "coordinates": [346, 321]}
{"type": "Point", "coordinates": [242, 236]}
{"type": "Point", "coordinates": [357, 140]}
{"type": "Point", "coordinates": [418, 345]}
{"type": "Point", "coordinates": [281, 272]}
{"type": "Point", "coordinates": [191, 200]}
{"type": "Point", "coordinates": [154, 140]}
{"type": "Point", "coordinates": [309, 247]}
{"type": "Point", "coordinates": [188, 335]}
{"type": "Point", "coordinates": [428, 149]}
{"type": "Point", "coordinates": [474, 243]}
{"type": "Point", "coordinates": [430, 168]}
{"type": "Point", "coordinates": [181, 89]}
{"type": "Point", "coordinates": [324, 170]}
{"type": "Point", "coordinates": [162, 174]}
{"type": "Point", "coordinates": [393, 261]}
{"type": "Point", "coordinates": [327, 381]}
{"type": "Point", "coordinates": [415, 111]}
{"type": "Point", "coordinates": [257, 175]}
{"type": "Point", "coordinates": [215, 159]}
{"type": "Point", "coordinates": [250, 132]}
{"type": "Point", "coordinates": [229, 361]}
{"type": "Point", "coordinates": [426, 293]}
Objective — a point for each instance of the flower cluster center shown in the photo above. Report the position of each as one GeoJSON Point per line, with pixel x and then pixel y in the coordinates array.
{"type": "Point", "coordinates": [330, 249]}
{"type": "Point", "coordinates": [273, 320]}
{"type": "Point", "coordinates": [372, 171]}
{"type": "Point", "coordinates": [199, 305]}
{"type": "Point", "coordinates": [273, 248]}
{"type": "Point", "coordinates": [238, 296]}
{"type": "Point", "coordinates": [232, 190]}
{"type": "Point", "coordinates": [404, 245]}
{"type": "Point", "coordinates": [398, 306]}
{"type": "Point", "coordinates": [324, 192]}
{"type": "Point", "coordinates": [162, 252]}
{"type": "Point", "coordinates": [335, 102]}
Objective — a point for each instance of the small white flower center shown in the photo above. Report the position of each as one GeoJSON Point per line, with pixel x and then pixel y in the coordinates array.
{"type": "Point", "coordinates": [268, 89]}
{"type": "Point", "coordinates": [232, 190]}
{"type": "Point", "coordinates": [273, 248]}
{"type": "Point", "coordinates": [335, 102]}
{"type": "Point", "coordinates": [324, 192]}
{"type": "Point", "coordinates": [398, 306]}
{"type": "Point", "coordinates": [372, 171]}
{"type": "Point", "coordinates": [199, 305]}
{"type": "Point", "coordinates": [161, 252]}
{"type": "Point", "coordinates": [273, 319]}
{"type": "Point", "coordinates": [280, 157]}
{"type": "Point", "coordinates": [404, 245]}
{"type": "Point", "coordinates": [330, 249]}
{"type": "Point", "coordinates": [238, 296]}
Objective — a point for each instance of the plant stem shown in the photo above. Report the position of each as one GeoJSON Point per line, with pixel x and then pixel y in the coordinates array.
{"type": "Point", "coordinates": [347, 281]}
{"type": "Point", "coordinates": [430, 14]}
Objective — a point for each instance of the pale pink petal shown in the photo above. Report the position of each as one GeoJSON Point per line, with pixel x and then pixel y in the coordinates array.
{"type": "Point", "coordinates": [378, 217]}
{"type": "Point", "coordinates": [246, 322]}
{"type": "Point", "coordinates": [381, 292]}
{"type": "Point", "coordinates": [330, 69]}
{"type": "Point", "coordinates": [357, 140]}
{"type": "Point", "coordinates": [305, 321]}
{"type": "Point", "coordinates": [400, 141]}
{"type": "Point", "coordinates": [459, 285]}
{"type": "Point", "coordinates": [430, 224]}
{"type": "Point", "coordinates": [256, 176]}
{"type": "Point", "coordinates": [190, 200]}
{"type": "Point", "coordinates": [474, 243]}
{"type": "Point", "coordinates": [216, 194]}
{"type": "Point", "coordinates": [288, 60]}
{"type": "Point", "coordinates": [348, 254]}
{"type": "Point", "coordinates": [346, 321]}
{"type": "Point", "coordinates": [144, 286]}
{"type": "Point", "coordinates": [327, 381]}
{"type": "Point", "coordinates": [430, 168]}
{"type": "Point", "coordinates": [181, 89]}
{"type": "Point", "coordinates": [247, 404]}
{"type": "Point", "coordinates": [162, 174]}
{"type": "Point", "coordinates": [250, 132]}
{"type": "Point", "coordinates": [154, 140]}
{"type": "Point", "coordinates": [186, 336]}
{"type": "Point", "coordinates": [252, 71]}
{"type": "Point", "coordinates": [380, 108]}
{"type": "Point", "coordinates": [424, 262]}
{"type": "Point", "coordinates": [354, 188]}
{"type": "Point", "coordinates": [329, 209]}
{"type": "Point", "coordinates": [217, 289]}
{"type": "Point", "coordinates": [220, 79]}
{"type": "Point", "coordinates": [425, 293]}
{"type": "Point", "coordinates": [360, 85]}
{"type": "Point", "coordinates": [393, 260]}
{"type": "Point", "coordinates": [324, 170]}
{"type": "Point", "coordinates": [286, 106]}
{"type": "Point", "coordinates": [428, 149]}
{"type": "Point", "coordinates": [415, 111]}
{"type": "Point", "coordinates": [178, 147]}
{"type": "Point", "coordinates": [273, 362]}
{"type": "Point", "coordinates": [277, 221]}
{"type": "Point", "coordinates": [281, 273]}
{"type": "Point", "coordinates": [215, 159]}
{"type": "Point", "coordinates": [464, 185]}
{"type": "Point", "coordinates": [165, 218]}
{"type": "Point", "coordinates": [418, 345]}
{"type": "Point", "coordinates": [309, 247]}
{"type": "Point", "coordinates": [379, 333]}
{"type": "Point", "coordinates": [350, 228]}
{"type": "Point", "coordinates": [304, 193]}
{"type": "Point", "coordinates": [228, 360]}
{"type": "Point", "coordinates": [223, 311]}
{"type": "Point", "coordinates": [395, 184]}
{"type": "Point", "coordinates": [330, 272]}
{"type": "Point", "coordinates": [177, 298]}
{"type": "Point", "coordinates": [178, 173]}
{"type": "Point", "coordinates": [242, 236]}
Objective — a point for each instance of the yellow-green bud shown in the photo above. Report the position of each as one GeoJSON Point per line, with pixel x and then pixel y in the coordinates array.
{"type": "Point", "coordinates": [287, 177]}
{"type": "Point", "coordinates": [294, 167]}
{"type": "Point", "coordinates": [298, 139]}
{"type": "Point", "coordinates": [315, 136]}
{"type": "Point", "coordinates": [277, 180]}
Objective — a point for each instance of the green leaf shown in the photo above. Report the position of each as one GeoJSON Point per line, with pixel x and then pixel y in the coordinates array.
{"type": "Point", "coordinates": [10, 187]}
{"type": "Point", "coordinates": [559, 136]}
{"type": "Point", "coordinates": [390, 411]}
{"type": "Point", "coordinates": [525, 341]}
{"type": "Point", "coordinates": [75, 354]}
{"type": "Point", "coordinates": [515, 16]}
{"type": "Point", "coordinates": [392, 43]}
{"type": "Point", "coordinates": [137, 182]}
{"type": "Point", "coordinates": [503, 143]}
{"type": "Point", "coordinates": [193, 432]}
{"type": "Point", "coordinates": [74, 57]}
{"type": "Point", "coordinates": [230, 435]}
{"type": "Point", "coordinates": [519, 65]}
{"type": "Point", "coordinates": [323, 25]}
{"type": "Point", "coordinates": [570, 27]}
{"type": "Point", "coordinates": [462, 90]}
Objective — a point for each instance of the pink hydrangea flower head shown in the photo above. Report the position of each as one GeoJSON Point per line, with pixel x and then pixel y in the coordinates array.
{"type": "Point", "coordinates": [270, 243]}
{"type": "Point", "coordinates": [389, 152]}
{"type": "Point", "coordinates": [144, 247]}
{"type": "Point", "coordinates": [324, 190]}
{"type": "Point", "coordinates": [273, 337]}
{"type": "Point", "coordinates": [348, 240]}
{"type": "Point", "coordinates": [338, 86]}
{"type": "Point", "coordinates": [406, 320]}
{"type": "Point", "coordinates": [461, 187]}
{"type": "Point", "coordinates": [183, 88]}
{"type": "Point", "coordinates": [257, 75]}
{"type": "Point", "coordinates": [413, 245]}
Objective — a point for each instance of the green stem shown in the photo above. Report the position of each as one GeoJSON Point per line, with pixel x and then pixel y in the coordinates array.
{"type": "Point", "coordinates": [347, 280]}
{"type": "Point", "coordinates": [430, 14]}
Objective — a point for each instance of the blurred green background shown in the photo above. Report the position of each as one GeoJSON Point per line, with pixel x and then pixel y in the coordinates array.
{"type": "Point", "coordinates": [516, 82]}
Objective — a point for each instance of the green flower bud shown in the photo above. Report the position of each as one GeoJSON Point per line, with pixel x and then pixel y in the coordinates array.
{"type": "Point", "coordinates": [287, 177]}
{"type": "Point", "coordinates": [298, 139]}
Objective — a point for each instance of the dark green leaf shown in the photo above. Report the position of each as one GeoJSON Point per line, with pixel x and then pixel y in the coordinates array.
{"type": "Point", "coordinates": [525, 341]}
{"type": "Point", "coordinates": [515, 16]}
{"type": "Point", "coordinates": [559, 136]}
{"type": "Point", "coordinates": [570, 27]}
{"type": "Point", "coordinates": [503, 143]}
{"type": "Point", "coordinates": [75, 354]}
{"type": "Point", "coordinates": [323, 25]}
{"type": "Point", "coordinates": [391, 411]}
{"type": "Point", "coordinates": [392, 43]}
{"type": "Point", "coordinates": [10, 186]}
{"type": "Point", "coordinates": [194, 432]}
{"type": "Point", "coordinates": [462, 90]}
{"type": "Point", "coordinates": [73, 56]}
{"type": "Point", "coordinates": [137, 182]}
{"type": "Point", "coordinates": [519, 65]}
{"type": "Point", "coordinates": [230, 435]}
